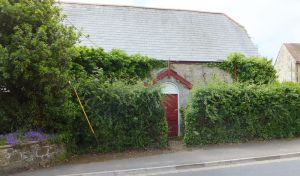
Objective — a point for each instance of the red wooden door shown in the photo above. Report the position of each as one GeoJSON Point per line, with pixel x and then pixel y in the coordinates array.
{"type": "Point", "coordinates": [170, 105]}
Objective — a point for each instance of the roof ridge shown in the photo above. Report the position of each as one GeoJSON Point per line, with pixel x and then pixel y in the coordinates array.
{"type": "Point", "coordinates": [291, 43]}
{"type": "Point", "coordinates": [185, 28]}
{"type": "Point", "coordinates": [140, 7]}
{"type": "Point", "coordinates": [154, 8]}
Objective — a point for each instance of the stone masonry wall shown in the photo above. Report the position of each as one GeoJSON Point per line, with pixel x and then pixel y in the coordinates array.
{"type": "Point", "coordinates": [285, 66]}
{"type": "Point", "coordinates": [29, 155]}
{"type": "Point", "coordinates": [197, 74]}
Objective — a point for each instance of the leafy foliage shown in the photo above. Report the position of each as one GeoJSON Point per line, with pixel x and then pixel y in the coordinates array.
{"type": "Point", "coordinates": [2, 141]}
{"type": "Point", "coordinates": [255, 70]}
{"type": "Point", "coordinates": [116, 65]}
{"type": "Point", "coordinates": [123, 116]}
{"type": "Point", "coordinates": [35, 60]}
{"type": "Point", "coordinates": [222, 113]}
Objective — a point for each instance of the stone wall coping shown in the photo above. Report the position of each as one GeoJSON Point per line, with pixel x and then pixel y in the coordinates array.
{"type": "Point", "coordinates": [22, 144]}
{"type": "Point", "coordinates": [5, 146]}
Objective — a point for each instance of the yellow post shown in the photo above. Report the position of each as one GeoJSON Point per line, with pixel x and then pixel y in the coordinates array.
{"type": "Point", "coordinates": [82, 108]}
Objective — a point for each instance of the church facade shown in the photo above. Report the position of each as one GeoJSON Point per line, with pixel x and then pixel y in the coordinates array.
{"type": "Point", "coordinates": [186, 39]}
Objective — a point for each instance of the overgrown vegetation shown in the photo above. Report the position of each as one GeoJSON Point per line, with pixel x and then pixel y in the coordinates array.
{"type": "Point", "coordinates": [222, 113]}
{"type": "Point", "coordinates": [116, 65]}
{"type": "Point", "coordinates": [253, 70]}
{"type": "Point", "coordinates": [2, 141]}
{"type": "Point", "coordinates": [123, 116]}
{"type": "Point", "coordinates": [38, 57]}
{"type": "Point", "coordinates": [35, 61]}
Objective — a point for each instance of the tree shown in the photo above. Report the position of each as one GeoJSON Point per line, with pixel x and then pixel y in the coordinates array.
{"type": "Point", "coordinates": [35, 61]}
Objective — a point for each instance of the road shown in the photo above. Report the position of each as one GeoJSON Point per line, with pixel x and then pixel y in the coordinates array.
{"type": "Point", "coordinates": [286, 167]}
{"type": "Point", "coordinates": [188, 156]}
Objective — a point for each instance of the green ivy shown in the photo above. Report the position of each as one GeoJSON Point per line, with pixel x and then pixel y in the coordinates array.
{"type": "Point", "coordinates": [222, 113]}
{"type": "Point", "coordinates": [255, 70]}
{"type": "Point", "coordinates": [116, 65]}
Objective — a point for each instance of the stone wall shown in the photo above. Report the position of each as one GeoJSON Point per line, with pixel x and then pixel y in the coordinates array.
{"type": "Point", "coordinates": [285, 66]}
{"type": "Point", "coordinates": [29, 155]}
{"type": "Point", "coordinates": [298, 72]}
{"type": "Point", "coordinates": [198, 74]}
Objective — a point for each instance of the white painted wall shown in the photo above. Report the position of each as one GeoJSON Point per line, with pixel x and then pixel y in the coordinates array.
{"type": "Point", "coordinates": [169, 88]}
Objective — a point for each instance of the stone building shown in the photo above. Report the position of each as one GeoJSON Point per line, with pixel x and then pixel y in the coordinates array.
{"type": "Point", "coordinates": [188, 39]}
{"type": "Point", "coordinates": [287, 63]}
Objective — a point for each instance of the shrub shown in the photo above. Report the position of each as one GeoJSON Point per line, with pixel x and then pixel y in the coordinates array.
{"type": "Point", "coordinates": [123, 117]}
{"type": "Point", "coordinates": [2, 141]}
{"type": "Point", "coordinates": [21, 137]}
{"type": "Point", "coordinates": [35, 136]}
{"type": "Point", "coordinates": [35, 61]}
{"type": "Point", "coordinates": [222, 113]}
{"type": "Point", "coordinates": [254, 70]}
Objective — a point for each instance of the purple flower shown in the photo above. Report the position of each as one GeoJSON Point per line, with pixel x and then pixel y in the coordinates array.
{"type": "Point", "coordinates": [35, 136]}
{"type": "Point", "coordinates": [11, 139]}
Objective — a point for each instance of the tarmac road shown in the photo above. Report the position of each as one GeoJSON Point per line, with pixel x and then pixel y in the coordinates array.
{"type": "Point", "coordinates": [284, 167]}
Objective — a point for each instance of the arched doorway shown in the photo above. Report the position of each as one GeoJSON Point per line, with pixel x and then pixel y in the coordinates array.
{"type": "Point", "coordinates": [171, 106]}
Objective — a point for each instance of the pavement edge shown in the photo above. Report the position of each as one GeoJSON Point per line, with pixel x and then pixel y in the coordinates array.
{"type": "Point", "coordinates": [174, 168]}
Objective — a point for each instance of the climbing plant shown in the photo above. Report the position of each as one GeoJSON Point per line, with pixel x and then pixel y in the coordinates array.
{"type": "Point", "coordinates": [116, 64]}
{"type": "Point", "coordinates": [255, 70]}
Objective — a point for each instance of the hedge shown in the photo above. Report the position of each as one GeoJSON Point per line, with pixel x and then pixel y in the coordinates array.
{"type": "Point", "coordinates": [123, 117]}
{"type": "Point", "coordinates": [221, 113]}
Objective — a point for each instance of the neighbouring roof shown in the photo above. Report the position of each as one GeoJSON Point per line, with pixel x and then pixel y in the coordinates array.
{"type": "Point", "coordinates": [179, 35]}
{"type": "Point", "coordinates": [294, 49]}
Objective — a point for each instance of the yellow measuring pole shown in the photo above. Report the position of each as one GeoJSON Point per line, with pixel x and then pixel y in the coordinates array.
{"type": "Point", "coordinates": [82, 108]}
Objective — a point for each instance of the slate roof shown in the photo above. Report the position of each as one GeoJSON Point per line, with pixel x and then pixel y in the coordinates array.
{"type": "Point", "coordinates": [294, 49]}
{"type": "Point", "coordinates": [179, 35]}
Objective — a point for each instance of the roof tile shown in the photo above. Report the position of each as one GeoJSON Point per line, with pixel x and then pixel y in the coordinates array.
{"type": "Point", "coordinates": [294, 49]}
{"type": "Point", "coordinates": [179, 35]}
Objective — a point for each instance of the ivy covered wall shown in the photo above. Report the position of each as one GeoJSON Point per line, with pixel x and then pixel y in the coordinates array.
{"type": "Point", "coordinates": [116, 64]}
{"type": "Point", "coordinates": [252, 70]}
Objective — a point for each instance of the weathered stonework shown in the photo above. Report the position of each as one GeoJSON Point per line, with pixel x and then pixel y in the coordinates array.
{"type": "Point", "coordinates": [29, 155]}
{"type": "Point", "coordinates": [287, 67]}
{"type": "Point", "coordinates": [197, 74]}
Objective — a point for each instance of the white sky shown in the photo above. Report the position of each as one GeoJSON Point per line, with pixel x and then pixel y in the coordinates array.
{"type": "Point", "coordinates": [268, 22]}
